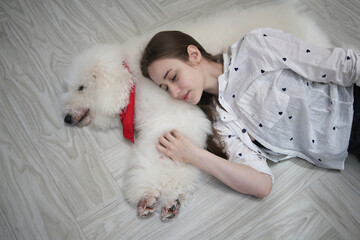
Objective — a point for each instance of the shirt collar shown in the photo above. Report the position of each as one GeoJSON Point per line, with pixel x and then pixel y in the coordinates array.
{"type": "Point", "coordinates": [227, 62]}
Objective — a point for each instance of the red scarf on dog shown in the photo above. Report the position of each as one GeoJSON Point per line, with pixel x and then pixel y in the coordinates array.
{"type": "Point", "coordinates": [127, 114]}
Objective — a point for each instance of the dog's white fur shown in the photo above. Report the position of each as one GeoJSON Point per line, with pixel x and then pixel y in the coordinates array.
{"type": "Point", "coordinates": [150, 176]}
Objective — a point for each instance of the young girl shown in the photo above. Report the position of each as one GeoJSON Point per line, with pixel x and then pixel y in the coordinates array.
{"type": "Point", "coordinates": [272, 96]}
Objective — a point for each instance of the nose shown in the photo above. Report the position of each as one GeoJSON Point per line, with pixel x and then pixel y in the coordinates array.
{"type": "Point", "coordinates": [68, 119]}
{"type": "Point", "coordinates": [174, 91]}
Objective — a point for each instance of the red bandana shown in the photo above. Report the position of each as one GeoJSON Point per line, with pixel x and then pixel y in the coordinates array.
{"type": "Point", "coordinates": [127, 114]}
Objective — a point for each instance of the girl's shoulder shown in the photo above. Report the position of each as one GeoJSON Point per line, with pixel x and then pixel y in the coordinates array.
{"type": "Point", "coordinates": [254, 38]}
{"type": "Point", "coordinates": [264, 31]}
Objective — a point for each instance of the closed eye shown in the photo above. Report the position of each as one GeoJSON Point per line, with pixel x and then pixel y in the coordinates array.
{"type": "Point", "coordinates": [162, 86]}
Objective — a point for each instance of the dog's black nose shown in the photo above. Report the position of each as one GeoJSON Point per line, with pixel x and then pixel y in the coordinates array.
{"type": "Point", "coordinates": [68, 119]}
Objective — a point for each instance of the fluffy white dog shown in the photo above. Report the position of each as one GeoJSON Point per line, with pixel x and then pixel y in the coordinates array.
{"type": "Point", "coordinates": [103, 77]}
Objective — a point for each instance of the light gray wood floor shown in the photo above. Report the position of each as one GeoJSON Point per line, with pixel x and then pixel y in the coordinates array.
{"type": "Point", "coordinates": [57, 183]}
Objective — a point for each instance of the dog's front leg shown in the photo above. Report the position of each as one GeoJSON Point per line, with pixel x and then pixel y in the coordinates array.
{"type": "Point", "coordinates": [141, 187]}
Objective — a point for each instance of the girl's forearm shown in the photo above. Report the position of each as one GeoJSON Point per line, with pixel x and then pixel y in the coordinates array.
{"type": "Point", "coordinates": [239, 177]}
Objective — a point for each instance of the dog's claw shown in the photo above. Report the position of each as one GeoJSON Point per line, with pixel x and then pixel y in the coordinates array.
{"type": "Point", "coordinates": [169, 213]}
{"type": "Point", "coordinates": [168, 218]}
{"type": "Point", "coordinates": [147, 206]}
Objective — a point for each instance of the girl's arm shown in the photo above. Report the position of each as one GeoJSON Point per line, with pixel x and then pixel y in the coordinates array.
{"type": "Point", "coordinates": [274, 49]}
{"type": "Point", "coordinates": [239, 177]}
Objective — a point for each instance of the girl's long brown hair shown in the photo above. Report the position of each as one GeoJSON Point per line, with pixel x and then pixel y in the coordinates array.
{"type": "Point", "coordinates": [173, 44]}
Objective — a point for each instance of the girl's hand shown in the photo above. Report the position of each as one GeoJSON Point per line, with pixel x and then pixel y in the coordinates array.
{"type": "Point", "coordinates": [177, 147]}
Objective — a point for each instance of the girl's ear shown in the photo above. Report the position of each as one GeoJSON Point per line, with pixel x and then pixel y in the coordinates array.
{"type": "Point", "coordinates": [194, 54]}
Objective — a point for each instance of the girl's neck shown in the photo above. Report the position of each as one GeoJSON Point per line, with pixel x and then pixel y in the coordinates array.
{"type": "Point", "coordinates": [212, 72]}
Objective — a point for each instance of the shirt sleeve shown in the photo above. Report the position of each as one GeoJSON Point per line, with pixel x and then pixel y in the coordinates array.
{"type": "Point", "coordinates": [275, 49]}
{"type": "Point", "coordinates": [238, 152]}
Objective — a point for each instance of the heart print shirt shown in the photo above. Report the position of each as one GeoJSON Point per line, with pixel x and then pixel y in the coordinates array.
{"type": "Point", "coordinates": [294, 98]}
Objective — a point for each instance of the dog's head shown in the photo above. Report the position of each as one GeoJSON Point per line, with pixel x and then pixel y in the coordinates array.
{"type": "Point", "coordinates": [99, 88]}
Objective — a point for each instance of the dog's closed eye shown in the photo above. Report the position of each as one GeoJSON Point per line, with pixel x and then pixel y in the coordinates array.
{"type": "Point", "coordinates": [81, 87]}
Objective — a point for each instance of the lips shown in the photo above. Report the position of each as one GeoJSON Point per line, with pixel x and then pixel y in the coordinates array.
{"type": "Point", "coordinates": [186, 97]}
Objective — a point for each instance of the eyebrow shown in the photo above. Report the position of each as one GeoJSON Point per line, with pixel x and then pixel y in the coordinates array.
{"type": "Point", "coordinates": [167, 73]}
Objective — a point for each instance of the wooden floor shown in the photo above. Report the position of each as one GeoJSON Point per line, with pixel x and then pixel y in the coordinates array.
{"type": "Point", "coordinates": [57, 183]}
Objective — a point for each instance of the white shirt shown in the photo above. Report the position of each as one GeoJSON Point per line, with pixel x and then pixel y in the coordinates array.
{"type": "Point", "coordinates": [295, 98]}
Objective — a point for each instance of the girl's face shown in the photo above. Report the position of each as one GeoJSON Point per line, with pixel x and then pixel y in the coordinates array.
{"type": "Point", "coordinates": [184, 80]}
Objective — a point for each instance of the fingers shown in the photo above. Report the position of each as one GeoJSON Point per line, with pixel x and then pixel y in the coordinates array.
{"type": "Point", "coordinates": [161, 148]}
{"type": "Point", "coordinates": [170, 136]}
{"type": "Point", "coordinates": [176, 146]}
{"type": "Point", "coordinates": [164, 141]}
{"type": "Point", "coordinates": [167, 138]}
{"type": "Point", "coordinates": [175, 133]}
{"type": "Point", "coordinates": [166, 144]}
{"type": "Point", "coordinates": [165, 151]}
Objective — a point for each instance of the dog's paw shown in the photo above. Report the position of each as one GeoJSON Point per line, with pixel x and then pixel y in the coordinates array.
{"type": "Point", "coordinates": [170, 210]}
{"type": "Point", "coordinates": [147, 206]}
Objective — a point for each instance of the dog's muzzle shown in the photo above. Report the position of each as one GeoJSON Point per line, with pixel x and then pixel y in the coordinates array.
{"type": "Point", "coordinates": [78, 118]}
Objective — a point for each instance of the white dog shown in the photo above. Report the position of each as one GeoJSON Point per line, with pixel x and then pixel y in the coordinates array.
{"type": "Point", "coordinates": [102, 80]}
